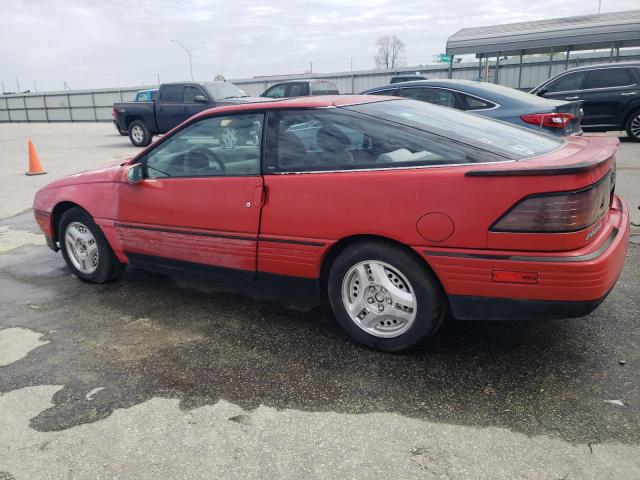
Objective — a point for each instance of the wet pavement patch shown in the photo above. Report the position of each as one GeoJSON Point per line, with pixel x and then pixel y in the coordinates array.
{"type": "Point", "coordinates": [147, 336]}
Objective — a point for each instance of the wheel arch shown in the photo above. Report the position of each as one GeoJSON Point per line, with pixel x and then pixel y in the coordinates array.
{"type": "Point", "coordinates": [59, 210]}
{"type": "Point", "coordinates": [338, 247]}
{"type": "Point", "coordinates": [129, 119]}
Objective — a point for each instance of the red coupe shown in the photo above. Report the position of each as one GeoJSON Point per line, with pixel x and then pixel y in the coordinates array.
{"type": "Point", "coordinates": [402, 210]}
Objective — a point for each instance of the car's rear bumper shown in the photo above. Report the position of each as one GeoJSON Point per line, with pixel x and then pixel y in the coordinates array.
{"type": "Point", "coordinates": [546, 284]}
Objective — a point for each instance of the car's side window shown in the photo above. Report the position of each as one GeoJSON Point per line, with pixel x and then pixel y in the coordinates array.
{"type": "Point", "coordinates": [383, 92]}
{"type": "Point", "coordinates": [171, 94]}
{"type": "Point", "coordinates": [276, 92]}
{"type": "Point", "coordinates": [216, 146]}
{"type": "Point", "coordinates": [566, 83]}
{"type": "Point", "coordinates": [474, 103]}
{"type": "Point", "coordinates": [296, 90]}
{"type": "Point", "coordinates": [320, 140]}
{"type": "Point", "coordinates": [608, 78]}
{"type": "Point", "coordinates": [437, 96]}
{"type": "Point", "coordinates": [190, 93]}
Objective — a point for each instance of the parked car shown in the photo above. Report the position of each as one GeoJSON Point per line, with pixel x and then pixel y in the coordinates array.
{"type": "Point", "coordinates": [610, 92]}
{"type": "Point", "coordinates": [383, 213]}
{"type": "Point", "coordinates": [406, 78]}
{"type": "Point", "coordinates": [301, 88]}
{"type": "Point", "coordinates": [558, 117]}
{"type": "Point", "coordinates": [148, 95]}
{"type": "Point", "coordinates": [175, 103]}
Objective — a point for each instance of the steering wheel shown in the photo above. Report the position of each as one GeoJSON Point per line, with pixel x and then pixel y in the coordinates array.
{"type": "Point", "coordinates": [193, 164]}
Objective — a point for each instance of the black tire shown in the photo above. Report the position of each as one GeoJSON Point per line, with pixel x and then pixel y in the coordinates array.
{"type": "Point", "coordinates": [430, 299]}
{"type": "Point", "coordinates": [108, 268]}
{"type": "Point", "coordinates": [633, 126]}
{"type": "Point", "coordinates": [139, 134]}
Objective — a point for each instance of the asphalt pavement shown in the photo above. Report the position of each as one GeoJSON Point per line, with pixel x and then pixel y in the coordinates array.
{"type": "Point", "coordinates": [169, 377]}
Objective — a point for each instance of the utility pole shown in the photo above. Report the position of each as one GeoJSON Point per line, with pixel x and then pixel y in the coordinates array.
{"type": "Point", "coordinates": [158, 75]}
{"type": "Point", "coordinates": [188, 50]}
{"type": "Point", "coordinates": [35, 87]}
{"type": "Point", "coordinates": [18, 84]}
{"type": "Point", "coordinates": [599, 5]}
{"type": "Point", "coordinates": [3, 87]}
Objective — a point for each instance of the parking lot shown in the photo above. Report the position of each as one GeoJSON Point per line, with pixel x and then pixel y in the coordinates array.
{"type": "Point", "coordinates": [166, 377]}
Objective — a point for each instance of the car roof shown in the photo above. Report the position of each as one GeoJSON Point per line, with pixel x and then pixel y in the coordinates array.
{"type": "Point", "coordinates": [602, 65]}
{"type": "Point", "coordinates": [297, 80]}
{"type": "Point", "coordinates": [499, 94]}
{"type": "Point", "coordinates": [319, 101]}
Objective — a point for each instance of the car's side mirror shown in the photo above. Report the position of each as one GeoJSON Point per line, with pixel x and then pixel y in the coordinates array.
{"type": "Point", "coordinates": [135, 173]}
{"type": "Point", "coordinates": [200, 99]}
{"type": "Point", "coordinates": [541, 92]}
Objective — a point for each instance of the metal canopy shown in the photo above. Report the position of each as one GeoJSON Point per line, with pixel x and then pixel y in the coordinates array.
{"type": "Point", "coordinates": [606, 30]}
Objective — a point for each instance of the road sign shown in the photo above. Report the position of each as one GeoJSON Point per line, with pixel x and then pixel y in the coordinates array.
{"type": "Point", "coordinates": [444, 58]}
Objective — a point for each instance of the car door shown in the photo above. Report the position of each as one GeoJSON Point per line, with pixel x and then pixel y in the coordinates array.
{"type": "Point", "coordinates": [199, 203]}
{"type": "Point", "coordinates": [606, 94]}
{"type": "Point", "coordinates": [189, 106]}
{"type": "Point", "coordinates": [567, 86]}
{"type": "Point", "coordinates": [169, 107]}
{"type": "Point", "coordinates": [437, 96]}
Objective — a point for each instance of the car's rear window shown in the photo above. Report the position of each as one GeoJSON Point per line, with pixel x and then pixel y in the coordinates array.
{"type": "Point", "coordinates": [506, 140]}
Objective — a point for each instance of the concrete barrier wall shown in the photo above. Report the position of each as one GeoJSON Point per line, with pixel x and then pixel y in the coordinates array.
{"type": "Point", "coordinates": [96, 105]}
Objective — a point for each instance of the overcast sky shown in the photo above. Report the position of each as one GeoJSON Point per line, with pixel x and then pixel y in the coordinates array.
{"type": "Point", "coordinates": [100, 43]}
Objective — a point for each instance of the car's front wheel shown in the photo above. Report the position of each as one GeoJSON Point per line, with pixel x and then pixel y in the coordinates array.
{"type": "Point", "coordinates": [85, 249]}
{"type": "Point", "coordinates": [139, 134]}
{"type": "Point", "coordinates": [384, 297]}
{"type": "Point", "coordinates": [633, 126]}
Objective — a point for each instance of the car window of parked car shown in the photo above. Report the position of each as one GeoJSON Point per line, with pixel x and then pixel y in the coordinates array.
{"type": "Point", "coordinates": [322, 140]}
{"type": "Point", "coordinates": [324, 88]}
{"type": "Point", "coordinates": [607, 78]}
{"type": "Point", "coordinates": [224, 90]}
{"type": "Point", "coordinates": [216, 146]}
{"type": "Point", "coordinates": [474, 103]}
{"type": "Point", "coordinates": [565, 83]}
{"type": "Point", "coordinates": [190, 93]}
{"type": "Point", "coordinates": [171, 94]}
{"type": "Point", "coordinates": [296, 90]}
{"type": "Point", "coordinates": [503, 139]}
{"type": "Point", "coordinates": [437, 96]}
{"type": "Point", "coordinates": [382, 92]}
{"type": "Point", "coordinates": [277, 91]}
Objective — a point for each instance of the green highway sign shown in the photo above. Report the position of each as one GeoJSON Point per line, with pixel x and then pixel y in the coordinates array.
{"type": "Point", "coordinates": [444, 58]}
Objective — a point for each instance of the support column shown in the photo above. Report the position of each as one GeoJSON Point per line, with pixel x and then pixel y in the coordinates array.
{"type": "Point", "coordinates": [497, 75]}
{"type": "Point", "coordinates": [480, 67]}
{"type": "Point", "coordinates": [450, 74]}
{"type": "Point", "coordinates": [520, 69]}
{"type": "Point", "coordinates": [566, 62]}
{"type": "Point", "coordinates": [550, 63]}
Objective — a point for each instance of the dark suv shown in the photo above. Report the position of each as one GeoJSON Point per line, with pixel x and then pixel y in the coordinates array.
{"type": "Point", "coordinates": [610, 92]}
{"type": "Point", "coordinates": [301, 88]}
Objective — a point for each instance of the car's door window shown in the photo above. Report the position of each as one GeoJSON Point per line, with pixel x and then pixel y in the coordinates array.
{"type": "Point", "coordinates": [566, 83]}
{"type": "Point", "coordinates": [276, 92]}
{"type": "Point", "coordinates": [437, 96]}
{"type": "Point", "coordinates": [474, 103]}
{"type": "Point", "coordinates": [216, 146]}
{"type": "Point", "coordinates": [190, 93]}
{"type": "Point", "coordinates": [315, 140]}
{"type": "Point", "coordinates": [171, 94]}
{"type": "Point", "coordinates": [608, 78]}
{"type": "Point", "coordinates": [296, 90]}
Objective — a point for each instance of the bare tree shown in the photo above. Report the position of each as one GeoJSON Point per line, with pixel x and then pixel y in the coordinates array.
{"type": "Point", "coordinates": [390, 52]}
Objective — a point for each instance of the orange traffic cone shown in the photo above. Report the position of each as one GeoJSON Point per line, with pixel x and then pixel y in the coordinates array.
{"type": "Point", "coordinates": [34, 162]}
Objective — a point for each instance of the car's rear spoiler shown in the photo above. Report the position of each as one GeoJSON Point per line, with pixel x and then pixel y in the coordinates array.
{"type": "Point", "coordinates": [580, 167]}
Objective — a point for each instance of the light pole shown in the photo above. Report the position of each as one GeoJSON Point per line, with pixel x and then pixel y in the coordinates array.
{"type": "Point", "coordinates": [188, 50]}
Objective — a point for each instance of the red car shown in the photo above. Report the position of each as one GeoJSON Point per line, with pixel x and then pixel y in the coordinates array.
{"type": "Point", "coordinates": [402, 210]}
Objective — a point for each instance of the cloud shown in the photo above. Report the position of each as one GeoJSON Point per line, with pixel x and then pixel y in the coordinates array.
{"type": "Point", "coordinates": [92, 43]}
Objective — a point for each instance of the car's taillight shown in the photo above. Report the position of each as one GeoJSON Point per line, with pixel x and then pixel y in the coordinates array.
{"type": "Point", "coordinates": [114, 112]}
{"type": "Point", "coordinates": [550, 120]}
{"type": "Point", "coordinates": [558, 211]}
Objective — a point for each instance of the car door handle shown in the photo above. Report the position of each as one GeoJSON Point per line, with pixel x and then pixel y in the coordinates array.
{"type": "Point", "coordinates": [571, 98]}
{"type": "Point", "coordinates": [626, 94]}
{"type": "Point", "coordinates": [185, 109]}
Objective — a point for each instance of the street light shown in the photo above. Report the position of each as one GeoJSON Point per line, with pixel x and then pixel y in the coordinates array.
{"type": "Point", "coordinates": [188, 50]}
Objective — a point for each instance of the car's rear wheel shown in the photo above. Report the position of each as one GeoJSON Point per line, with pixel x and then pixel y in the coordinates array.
{"type": "Point", "coordinates": [384, 297]}
{"type": "Point", "coordinates": [633, 126]}
{"type": "Point", "coordinates": [85, 249]}
{"type": "Point", "coordinates": [139, 134]}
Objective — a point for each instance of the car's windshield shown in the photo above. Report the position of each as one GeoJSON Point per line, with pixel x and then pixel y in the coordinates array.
{"type": "Point", "coordinates": [504, 139]}
{"type": "Point", "coordinates": [222, 90]}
